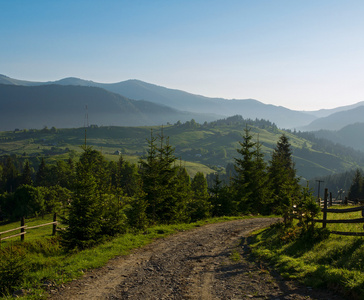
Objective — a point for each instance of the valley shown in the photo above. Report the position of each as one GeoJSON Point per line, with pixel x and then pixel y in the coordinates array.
{"type": "Point", "coordinates": [207, 147]}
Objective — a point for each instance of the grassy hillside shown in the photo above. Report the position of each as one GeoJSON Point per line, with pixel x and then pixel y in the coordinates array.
{"type": "Point", "coordinates": [207, 147]}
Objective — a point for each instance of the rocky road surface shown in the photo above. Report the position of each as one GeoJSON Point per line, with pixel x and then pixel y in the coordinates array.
{"type": "Point", "coordinates": [209, 262]}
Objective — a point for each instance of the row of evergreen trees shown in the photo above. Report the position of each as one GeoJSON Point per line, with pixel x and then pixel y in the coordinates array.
{"type": "Point", "coordinates": [356, 191]}
{"type": "Point", "coordinates": [100, 198]}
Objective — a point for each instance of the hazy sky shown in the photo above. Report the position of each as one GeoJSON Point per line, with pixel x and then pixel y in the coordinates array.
{"type": "Point", "coordinates": [301, 54]}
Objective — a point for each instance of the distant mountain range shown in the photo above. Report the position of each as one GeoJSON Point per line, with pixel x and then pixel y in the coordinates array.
{"type": "Point", "coordinates": [351, 135]}
{"type": "Point", "coordinates": [62, 103]}
{"type": "Point", "coordinates": [76, 106]}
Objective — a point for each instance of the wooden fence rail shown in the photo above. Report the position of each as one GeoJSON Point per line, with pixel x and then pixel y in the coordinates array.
{"type": "Point", "coordinates": [325, 221]}
{"type": "Point", "coordinates": [23, 227]}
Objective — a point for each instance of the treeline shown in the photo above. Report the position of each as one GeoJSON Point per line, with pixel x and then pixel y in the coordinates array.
{"type": "Point", "coordinates": [338, 184]}
{"type": "Point", "coordinates": [356, 191]}
{"type": "Point", "coordinates": [233, 120]}
{"type": "Point", "coordinates": [98, 198]}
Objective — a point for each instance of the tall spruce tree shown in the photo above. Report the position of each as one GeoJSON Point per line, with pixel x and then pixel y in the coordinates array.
{"type": "Point", "coordinates": [356, 189]}
{"type": "Point", "coordinates": [150, 175]}
{"type": "Point", "coordinates": [200, 206]}
{"type": "Point", "coordinates": [221, 198]}
{"type": "Point", "coordinates": [284, 184]}
{"type": "Point", "coordinates": [84, 220]}
{"type": "Point", "coordinates": [250, 181]}
{"type": "Point", "coordinates": [261, 194]}
{"type": "Point", "coordinates": [26, 176]}
{"type": "Point", "coordinates": [41, 175]}
{"type": "Point", "coordinates": [10, 176]}
{"type": "Point", "coordinates": [127, 177]}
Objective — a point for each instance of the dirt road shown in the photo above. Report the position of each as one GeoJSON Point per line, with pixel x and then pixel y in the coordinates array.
{"type": "Point", "coordinates": [209, 262]}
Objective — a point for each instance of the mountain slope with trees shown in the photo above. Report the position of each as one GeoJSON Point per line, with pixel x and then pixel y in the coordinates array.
{"type": "Point", "coordinates": [211, 144]}
{"type": "Point", "coordinates": [180, 100]}
{"type": "Point", "coordinates": [336, 121]}
{"type": "Point", "coordinates": [350, 135]}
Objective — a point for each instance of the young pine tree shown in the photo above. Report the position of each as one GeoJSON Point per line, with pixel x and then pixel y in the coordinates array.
{"type": "Point", "coordinates": [84, 220]}
{"type": "Point", "coordinates": [26, 176]}
{"type": "Point", "coordinates": [356, 190]}
{"type": "Point", "coordinates": [200, 206]}
{"type": "Point", "coordinates": [250, 181]}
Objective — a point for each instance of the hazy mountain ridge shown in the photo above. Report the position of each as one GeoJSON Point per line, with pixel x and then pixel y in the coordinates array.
{"type": "Point", "coordinates": [180, 100]}
{"type": "Point", "coordinates": [350, 135]}
{"type": "Point", "coordinates": [338, 120]}
{"type": "Point", "coordinates": [197, 104]}
{"type": "Point", "coordinates": [326, 112]}
{"type": "Point", "coordinates": [65, 107]}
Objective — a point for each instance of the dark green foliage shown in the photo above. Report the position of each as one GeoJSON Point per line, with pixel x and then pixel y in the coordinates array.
{"type": "Point", "coordinates": [356, 190]}
{"type": "Point", "coordinates": [243, 183]}
{"type": "Point", "coordinates": [161, 182]}
{"type": "Point", "coordinates": [137, 213]}
{"type": "Point", "coordinates": [26, 176]}
{"type": "Point", "coordinates": [222, 199]}
{"type": "Point", "coordinates": [56, 198]}
{"type": "Point", "coordinates": [250, 181]}
{"type": "Point", "coordinates": [13, 265]}
{"type": "Point", "coordinates": [10, 176]}
{"type": "Point", "coordinates": [200, 206]}
{"type": "Point", "coordinates": [27, 201]}
{"type": "Point", "coordinates": [84, 219]}
{"type": "Point", "coordinates": [282, 178]}
{"type": "Point", "coordinates": [41, 175]}
{"type": "Point", "coordinates": [127, 177]}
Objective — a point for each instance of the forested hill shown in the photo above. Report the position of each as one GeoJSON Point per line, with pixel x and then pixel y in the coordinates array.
{"type": "Point", "coordinates": [65, 106]}
{"type": "Point", "coordinates": [211, 144]}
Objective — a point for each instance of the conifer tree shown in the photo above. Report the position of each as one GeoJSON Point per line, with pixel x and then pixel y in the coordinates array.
{"type": "Point", "coordinates": [26, 177]}
{"type": "Point", "coordinates": [127, 177]}
{"type": "Point", "coordinates": [261, 193]}
{"type": "Point", "coordinates": [183, 195]}
{"type": "Point", "coordinates": [150, 177]}
{"type": "Point", "coordinates": [200, 207]}
{"type": "Point", "coordinates": [282, 177]}
{"type": "Point", "coordinates": [356, 188]}
{"type": "Point", "coordinates": [137, 214]}
{"type": "Point", "coordinates": [84, 219]}
{"type": "Point", "coordinates": [250, 181]}
{"type": "Point", "coordinates": [160, 182]}
{"type": "Point", "coordinates": [221, 198]}
{"type": "Point", "coordinates": [10, 176]}
{"type": "Point", "coordinates": [41, 175]}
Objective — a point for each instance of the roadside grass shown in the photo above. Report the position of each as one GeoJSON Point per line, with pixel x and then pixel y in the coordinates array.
{"type": "Point", "coordinates": [46, 265]}
{"type": "Point", "coordinates": [316, 258]}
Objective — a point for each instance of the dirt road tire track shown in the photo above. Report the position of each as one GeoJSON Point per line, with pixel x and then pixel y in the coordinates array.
{"type": "Point", "coordinates": [195, 264]}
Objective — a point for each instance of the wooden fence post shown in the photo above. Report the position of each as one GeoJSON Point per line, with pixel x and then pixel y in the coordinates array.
{"type": "Point", "coordinates": [330, 199]}
{"type": "Point", "coordinates": [55, 224]}
{"type": "Point", "coordinates": [325, 208]}
{"type": "Point", "coordinates": [22, 229]}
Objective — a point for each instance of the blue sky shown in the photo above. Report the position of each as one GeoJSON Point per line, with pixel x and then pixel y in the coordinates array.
{"type": "Point", "coordinates": [301, 54]}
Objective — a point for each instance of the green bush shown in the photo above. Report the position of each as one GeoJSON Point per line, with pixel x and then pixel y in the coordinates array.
{"type": "Point", "coordinates": [12, 268]}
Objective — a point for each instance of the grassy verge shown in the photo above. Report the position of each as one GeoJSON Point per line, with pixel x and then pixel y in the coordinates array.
{"type": "Point", "coordinates": [315, 257]}
{"type": "Point", "coordinates": [42, 263]}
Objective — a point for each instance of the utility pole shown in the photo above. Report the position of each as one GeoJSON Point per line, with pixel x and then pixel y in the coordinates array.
{"type": "Point", "coordinates": [319, 183]}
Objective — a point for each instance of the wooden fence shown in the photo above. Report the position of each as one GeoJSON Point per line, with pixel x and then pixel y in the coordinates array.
{"type": "Point", "coordinates": [326, 210]}
{"type": "Point", "coordinates": [23, 227]}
